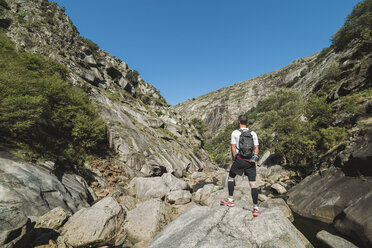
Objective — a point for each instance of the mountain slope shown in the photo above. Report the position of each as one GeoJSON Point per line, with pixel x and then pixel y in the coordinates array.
{"type": "Point", "coordinates": [145, 133]}
{"type": "Point", "coordinates": [222, 106]}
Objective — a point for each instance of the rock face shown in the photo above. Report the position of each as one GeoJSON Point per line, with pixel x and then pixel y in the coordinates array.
{"type": "Point", "coordinates": [54, 219]}
{"type": "Point", "coordinates": [229, 227]}
{"type": "Point", "coordinates": [33, 190]}
{"type": "Point", "coordinates": [332, 197]}
{"type": "Point", "coordinates": [280, 203]}
{"type": "Point", "coordinates": [224, 105]}
{"type": "Point", "coordinates": [179, 197]}
{"type": "Point", "coordinates": [279, 188]}
{"type": "Point", "coordinates": [156, 187]}
{"type": "Point", "coordinates": [141, 128]}
{"type": "Point", "coordinates": [334, 241]}
{"type": "Point", "coordinates": [14, 227]}
{"type": "Point", "coordinates": [145, 221]}
{"type": "Point", "coordinates": [97, 225]}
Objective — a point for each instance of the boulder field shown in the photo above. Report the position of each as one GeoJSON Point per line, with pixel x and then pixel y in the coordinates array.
{"type": "Point", "coordinates": [332, 197]}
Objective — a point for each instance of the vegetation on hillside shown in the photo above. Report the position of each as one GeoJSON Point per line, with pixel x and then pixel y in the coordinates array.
{"type": "Point", "coordinates": [41, 113]}
{"type": "Point", "coordinates": [297, 130]}
{"type": "Point", "coordinates": [301, 130]}
{"type": "Point", "coordinates": [358, 26]}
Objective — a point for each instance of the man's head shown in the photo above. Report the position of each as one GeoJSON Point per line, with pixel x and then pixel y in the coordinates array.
{"type": "Point", "coordinates": [243, 120]}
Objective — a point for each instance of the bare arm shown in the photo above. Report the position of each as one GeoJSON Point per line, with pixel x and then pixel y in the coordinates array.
{"type": "Point", "coordinates": [255, 150]}
{"type": "Point", "coordinates": [233, 151]}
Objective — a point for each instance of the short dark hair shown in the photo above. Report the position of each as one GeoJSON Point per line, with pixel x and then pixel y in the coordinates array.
{"type": "Point", "coordinates": [243, 119]}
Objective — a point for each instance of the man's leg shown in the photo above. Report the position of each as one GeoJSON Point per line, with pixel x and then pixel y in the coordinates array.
{"type": "Point", "coordinates": [231, 184]}
{"type": "Point", "coordinates": [251, 173]}
{"type": "Point", "coordinates": [254, 192]}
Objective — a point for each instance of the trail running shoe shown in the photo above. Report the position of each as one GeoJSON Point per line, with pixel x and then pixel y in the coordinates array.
{"type": "Point", "coordinates": [228, 202]}
{"type": "Point", "coordinates": [256, 212]}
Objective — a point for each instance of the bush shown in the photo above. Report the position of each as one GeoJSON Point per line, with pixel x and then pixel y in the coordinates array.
{"type": "Point", "coordinates": [220, 145]}
{"type": "Point", "coordinates": [199, 125]}
{"type": "Point", "coordinates": [132, 76]}
{"type": "Point", "coordinates": [358, 25]}
{"type": "Point", "coordinates": [319, 112]}
{"type": "Point", "coordinates": [40, 110]}
{"type": "Point", "coordinates": [332, 136]}
{"type": "Point", "coordinates": [332, 71]}
{"type": "Point", "coordinates": [91, 44]}
{"type": "Point", "coordinates": [323, 53]}
{"type": "Point", "coordinates": [4, 4]}
{"type": "Point", "coordinates": [292, 82]}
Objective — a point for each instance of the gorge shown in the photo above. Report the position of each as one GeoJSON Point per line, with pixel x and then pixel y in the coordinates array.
{"type": "Point", "coordinates": [91, 155]}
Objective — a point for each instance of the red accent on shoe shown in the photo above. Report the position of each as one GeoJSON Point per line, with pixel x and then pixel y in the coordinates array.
{"type": "Point", "coordinates": [227, 202]}
{"type": "Point", "coordinates": [256, 212]}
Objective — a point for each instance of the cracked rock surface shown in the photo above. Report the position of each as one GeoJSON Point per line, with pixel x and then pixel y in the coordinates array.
{"type": "Point", "coordinates": [202, 226]}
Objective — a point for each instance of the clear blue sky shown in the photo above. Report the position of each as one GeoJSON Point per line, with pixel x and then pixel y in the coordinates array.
{"type": "Point", "coordinates": [187, 48]}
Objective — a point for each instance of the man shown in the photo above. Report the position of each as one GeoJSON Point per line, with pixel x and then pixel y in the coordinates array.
{"type": "Point", "coordinates": [241, 164]}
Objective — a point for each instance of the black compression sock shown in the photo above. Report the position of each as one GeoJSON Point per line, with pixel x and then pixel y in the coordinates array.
{"type": "Point", "coordinates": [230, 186]}
{"type": "Point", "coordinates": [254, 192]}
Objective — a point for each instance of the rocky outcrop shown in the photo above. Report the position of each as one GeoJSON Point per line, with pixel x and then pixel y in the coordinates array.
{"type": "Point", "coordinates": [179, 197]}
{"type": "Point", "coordinates": [333, 241]}
{"type": "Point", "coordinates": [223, 106]}
{"type": "Point", "coordinates": [202, 226]}
{"type": "Point", "coordinates": [28, 190]}
{"type": "Point", "coordinates": [54, 219]}
{"type": "Point", "coordinates": [14, 227]}
{"type": "Point", "coordinates": [95, 226]}
{"type": "Point", "coordinates": [146, 188]}
{"type": "Point", "coordinates": [33, 190]}
{"type": "Point", "coordinates": [145, 221]}
{"type": "Point", "coordinates": [279, 203]}
{"type": "Point", "coordinates": [332, 197]}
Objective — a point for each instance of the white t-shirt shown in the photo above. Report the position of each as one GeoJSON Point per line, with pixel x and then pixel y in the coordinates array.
{"type": "Point", "coordinates": [236, 135]}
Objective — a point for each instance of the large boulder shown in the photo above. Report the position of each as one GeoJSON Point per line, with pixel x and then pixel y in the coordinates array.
{"type": "Point", "coordinates": [54, 219]}
{"type": "Point", "coordinates": [330, 196]}
{"type": "Point", "coordinates": [333, 241]}
{"type": "Point", "coordinates": [14, 227]}
{"type": "Point", "coordinates": [279, 188]}
{"type": "Point", "coordinates": [211, 195]}
{"type": "Point", "coordinates": [202, 226]}
{"type": "Point", "coordinates": [280, 203]}
{"type": "Point", "coordinates": [98, 225]}
{"type": "Point", "coordinates": [145, 221]}
{"type": "Point", "coordinates": [179, 197]}
{"type": "Point", "coordinates": [33, 190]}
{"type": "Point", "coordinates": [156, 187]}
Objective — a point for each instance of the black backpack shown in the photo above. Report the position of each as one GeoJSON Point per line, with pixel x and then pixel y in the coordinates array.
{"type": "Point", "coordinates": [246, 145]}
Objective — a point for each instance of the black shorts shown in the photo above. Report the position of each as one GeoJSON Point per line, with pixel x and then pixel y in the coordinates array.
{"type": "Point", "coordinates": [241, 166]}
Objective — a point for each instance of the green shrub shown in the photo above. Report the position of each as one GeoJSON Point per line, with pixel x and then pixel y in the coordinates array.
{"type": "Point", "coordinates": [199, 124]}
{"type": "Point", "coordinates": [332, 136]}
{"type": "Point", "coordinates": [323, 53]}
{"type": "Point", "coordinates": [43, 112]}
{"type": "Point", "coordinates": [332, 71]}
{"type": "Point", "coordinates": [220, 145]}
{"type": "Point", "coordinates": [319, 112]}
{"type": "Point", "coordinates": [132, 76]}
{"type": "Point", "coordinates": [303, 72]}
{"type": "Point", "coordinates": [296, 150]}
{"type": "Point", "coordinates": [4, 4]}
{"type": "Point", "coordinates": [292, 82]}
{"type": "Point", "coordinates": [91, 44]}
{"type": "Point", "coordinates": [358, 25]}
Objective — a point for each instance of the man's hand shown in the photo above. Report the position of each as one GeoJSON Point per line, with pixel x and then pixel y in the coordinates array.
{"type": "Point", "coordinates": [254, 159]}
